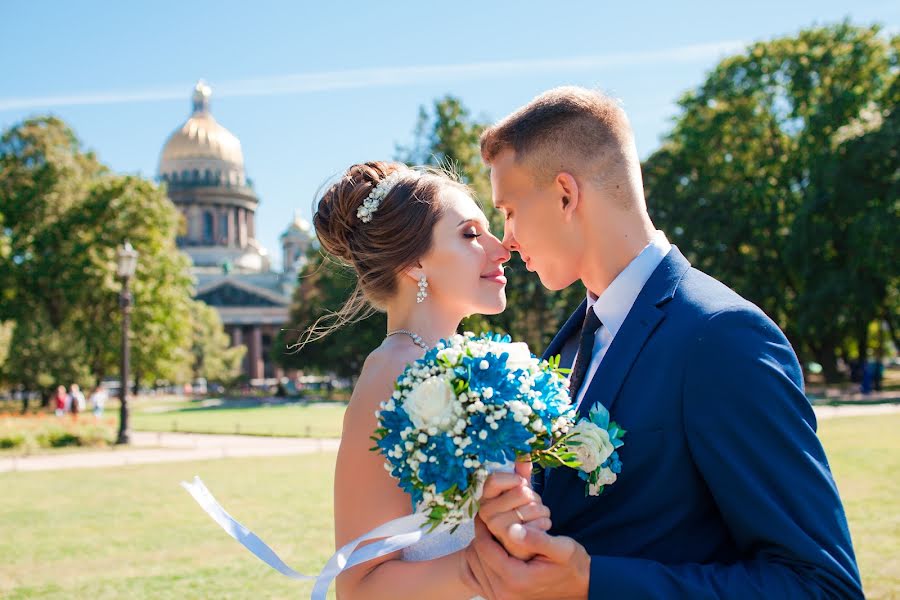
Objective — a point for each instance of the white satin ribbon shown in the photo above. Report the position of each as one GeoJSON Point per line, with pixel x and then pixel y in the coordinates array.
{"type": "Point", "coordinates": [399, 533]}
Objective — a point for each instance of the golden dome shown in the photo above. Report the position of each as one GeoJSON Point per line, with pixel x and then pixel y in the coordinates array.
{"type": "Point", "coordinates": [298, 226]}
{"type": "Point", "coordinates": [201, 138]}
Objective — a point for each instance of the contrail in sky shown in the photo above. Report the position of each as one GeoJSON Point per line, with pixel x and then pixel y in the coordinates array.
{"type": "Point", "coordinates": [302, 83]}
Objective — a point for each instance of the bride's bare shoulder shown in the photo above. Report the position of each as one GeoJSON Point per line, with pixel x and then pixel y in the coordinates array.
{"type": "Point", "coordinates": [376, 380]}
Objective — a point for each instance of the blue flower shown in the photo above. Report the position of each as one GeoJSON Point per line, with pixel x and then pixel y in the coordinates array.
{"type": "Point", "coordinates": [599, 416]}
{"type": "Point", "coordinates": [505, 443]}
{"type": "Point", "coordinates": [394, 421]}
{"type": "Point", "coordinates": [613, 462]}
{"type": "Point", "coordinates": [430, 357]}
{"type": "Point", "coordinates": [447, 470]}
{"type": "Point", "coordinates": [500, 338]}
{"type": "Point", "coordinates": [489, 371]}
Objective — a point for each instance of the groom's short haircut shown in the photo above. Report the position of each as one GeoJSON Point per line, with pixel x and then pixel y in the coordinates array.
{"type": "Point", "coordinates": [574, 129]}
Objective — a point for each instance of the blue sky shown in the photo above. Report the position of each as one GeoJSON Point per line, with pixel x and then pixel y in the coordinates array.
{"type": "Point", "coordinates": [312, 88]}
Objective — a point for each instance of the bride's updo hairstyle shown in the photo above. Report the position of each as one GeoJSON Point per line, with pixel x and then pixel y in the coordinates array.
{"type": "Point", "coordinates": [381, 244]}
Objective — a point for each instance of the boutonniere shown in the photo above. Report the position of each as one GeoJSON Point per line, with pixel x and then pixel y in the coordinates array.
{"type": "Point", "coordinates": [595, 441]}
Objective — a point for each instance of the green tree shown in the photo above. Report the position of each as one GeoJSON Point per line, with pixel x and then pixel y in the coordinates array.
{"type": "Point", "coordinates": [866, 177]}
{"type": "Point", "coordinates": [6, 331]}
{"type": "Point", "coordinates": [64, 216]}
{"type": "Point", "coordinates": [746, 182]}
{"type": "Point", "coordinates": [324, 286]}
{"type": "Point", "coordinates": [446, 136]}
{"type": "Point", "coordinates": [119, 208]}
{"type": "Point", "coordinates": [43, 175]}
{"type": "Point", "coordinates": [42, 357]}
{"type": "Point", "coordinates": [213, 359]}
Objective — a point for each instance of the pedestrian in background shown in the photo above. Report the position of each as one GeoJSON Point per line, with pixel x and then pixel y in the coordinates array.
{"type": "Point", "coordinates": [61, 400]}
{"type": "Point", "coordinates": [98, 400]}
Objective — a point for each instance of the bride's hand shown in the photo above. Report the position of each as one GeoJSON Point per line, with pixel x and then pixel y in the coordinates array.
{"type": "Point", "coordinates": [508, 505]}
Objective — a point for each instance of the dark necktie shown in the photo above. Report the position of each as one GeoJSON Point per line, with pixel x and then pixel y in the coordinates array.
{"type": "Point", "coordinates": [585, 353]}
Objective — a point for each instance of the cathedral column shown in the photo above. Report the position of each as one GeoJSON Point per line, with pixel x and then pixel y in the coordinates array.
{"type": "Point", "coordinates": [193, 217]}
{"type": "Point", "coordinates": [242, 227]}
{"type": "Point", "coordinates": [217, 234]}
{"type": "Point", "coordinates": [256, 351]}
{"type": "Point", "coordinates": [232, 227]}
{"type": "Point", "coordinates": [222, 232]}
{"type": "Point", "coordinates": [251, 229]}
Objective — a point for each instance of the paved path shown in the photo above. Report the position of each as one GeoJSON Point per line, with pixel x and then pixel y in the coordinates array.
{"type": "Point", "coordinates": [150, 447]}
{"type": "Point", "coordinates": [850, 410]}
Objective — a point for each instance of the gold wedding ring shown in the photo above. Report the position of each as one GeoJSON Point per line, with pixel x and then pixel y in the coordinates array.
{"type": "Point", "coordinates": [518, 514]}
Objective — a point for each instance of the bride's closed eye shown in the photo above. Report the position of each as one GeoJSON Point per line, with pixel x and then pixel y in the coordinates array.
{"type": "Point", "coordinates": [471, 234]}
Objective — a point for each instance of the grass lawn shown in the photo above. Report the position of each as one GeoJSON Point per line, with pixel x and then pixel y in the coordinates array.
{"type": "Point", "coordinates": [316, 420]}
{"type": "Point", "coordinates": [132, 532]}
{"type": "Point", "coordinates": [864, 453]}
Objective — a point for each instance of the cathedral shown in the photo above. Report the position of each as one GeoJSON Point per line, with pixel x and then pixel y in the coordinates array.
{"type": "Point", "coordinates": [202, 166]}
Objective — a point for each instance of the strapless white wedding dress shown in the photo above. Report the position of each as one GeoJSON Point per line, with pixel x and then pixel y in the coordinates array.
{"type": "Point", "coordinates": [441, 544]}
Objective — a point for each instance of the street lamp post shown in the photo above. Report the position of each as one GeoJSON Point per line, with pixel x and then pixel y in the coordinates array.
{"type": "Point", "coordinates": [125, 269]}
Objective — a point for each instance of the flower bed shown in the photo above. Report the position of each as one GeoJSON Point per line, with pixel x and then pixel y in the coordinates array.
{"type": "Point", "coordinates": [30, 432]}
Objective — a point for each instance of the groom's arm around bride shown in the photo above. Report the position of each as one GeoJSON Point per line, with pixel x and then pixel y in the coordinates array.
{"type": "Point", "coordinates": [724, 490]}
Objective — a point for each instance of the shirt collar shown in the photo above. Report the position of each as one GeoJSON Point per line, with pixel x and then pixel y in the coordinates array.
{"type": "Point", "coordinates": [614, 304]}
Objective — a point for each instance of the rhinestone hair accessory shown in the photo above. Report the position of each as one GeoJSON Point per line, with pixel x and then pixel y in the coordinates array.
{"type": "Point", "coordinates": [373, 200]}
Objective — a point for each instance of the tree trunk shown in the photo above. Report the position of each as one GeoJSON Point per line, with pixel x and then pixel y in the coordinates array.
{"type": "Point", "coordinates": [862, 340]}
{"type": "Point", "coordinates": [825, 356]}
{"type": "Point", "coordinates": [45, 398]}
{"type": "Point", "coordinates": [25, 398]}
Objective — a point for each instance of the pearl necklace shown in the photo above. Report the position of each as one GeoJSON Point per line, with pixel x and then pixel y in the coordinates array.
{"type": "Point", "coordinates": [417, 340]}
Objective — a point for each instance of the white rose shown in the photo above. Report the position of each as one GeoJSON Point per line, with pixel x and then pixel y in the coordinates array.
{"type": "Point", "coordinates": [430, 404]}
{"type": "Point", "coordinates": [606, 477]}
{"type": "Point", "coordinates": [594, 445]}
{"type": "Point", "coordinates": [519, 354]}
{"type": "Point", "coordinates": [451, 354]}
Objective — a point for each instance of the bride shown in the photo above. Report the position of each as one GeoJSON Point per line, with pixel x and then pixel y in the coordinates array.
{"type": "Point", "coordinates": [423, 253]}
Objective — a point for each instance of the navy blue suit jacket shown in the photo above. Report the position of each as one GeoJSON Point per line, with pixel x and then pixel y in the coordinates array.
{"type": "Point", "coordinates": [725, 490]}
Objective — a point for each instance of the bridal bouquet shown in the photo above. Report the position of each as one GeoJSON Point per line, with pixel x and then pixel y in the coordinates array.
{"type": "Point", "coordinates": [470, 406]}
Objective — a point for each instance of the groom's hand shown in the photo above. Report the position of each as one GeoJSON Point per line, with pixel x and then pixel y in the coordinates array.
{"type": "Point", "coordinates": [560, 569]}
{"type": "Point", "coordinates": [508, 505]}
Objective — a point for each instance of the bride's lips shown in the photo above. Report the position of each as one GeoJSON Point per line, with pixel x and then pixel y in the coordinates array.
{"type": "Point", "coordinates": [496, 276]}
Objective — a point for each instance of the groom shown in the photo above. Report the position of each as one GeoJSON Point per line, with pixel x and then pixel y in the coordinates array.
{"type": "Point", "coordinates": [725, 491]}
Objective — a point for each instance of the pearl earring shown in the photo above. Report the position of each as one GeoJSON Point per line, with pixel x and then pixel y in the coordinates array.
{"type": "Point", "coordinates": [423, 283]}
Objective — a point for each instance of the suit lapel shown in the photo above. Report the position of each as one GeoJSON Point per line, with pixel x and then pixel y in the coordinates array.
{"type": "Point", "coordinates": [640, 323]}
{"type": "Point", "coordinates": [642, 320]}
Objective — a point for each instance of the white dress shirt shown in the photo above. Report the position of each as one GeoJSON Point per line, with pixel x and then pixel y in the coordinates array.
{"type": "Point", "coordinates": [614, 304]}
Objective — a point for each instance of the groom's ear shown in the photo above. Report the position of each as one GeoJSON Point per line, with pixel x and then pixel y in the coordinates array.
{"type": "Point", "coordinates": [570, 194]}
